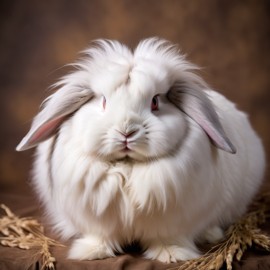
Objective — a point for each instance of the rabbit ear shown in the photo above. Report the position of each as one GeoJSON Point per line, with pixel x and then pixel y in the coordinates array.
{"type": "Point", "coordinates": [195, 103]}
{"type": "Point", "coordinates": [55, 109]}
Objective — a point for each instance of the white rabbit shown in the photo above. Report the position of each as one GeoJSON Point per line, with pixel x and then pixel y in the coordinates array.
{"type": "Point", "coordinates": [133, 147]}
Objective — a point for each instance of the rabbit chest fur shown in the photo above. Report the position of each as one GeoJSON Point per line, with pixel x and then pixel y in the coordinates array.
{"type": "Point", "coordinates": [136, 147]}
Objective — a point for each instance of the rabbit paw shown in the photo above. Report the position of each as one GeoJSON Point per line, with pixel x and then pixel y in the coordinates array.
{"type": "Point", "coordinates": [170, 253]}
{"type": "Point", "coordinates": [90, 248]}
{"type": "Point", "coordinates": [213, 235]}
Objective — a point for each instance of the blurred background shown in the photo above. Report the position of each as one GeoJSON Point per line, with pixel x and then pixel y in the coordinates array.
{"type": "Point", "coordinates": [228, 39]}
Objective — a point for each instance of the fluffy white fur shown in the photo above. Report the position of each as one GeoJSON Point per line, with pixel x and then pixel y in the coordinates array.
{"type": "Point", "coordinates": [172, 186]}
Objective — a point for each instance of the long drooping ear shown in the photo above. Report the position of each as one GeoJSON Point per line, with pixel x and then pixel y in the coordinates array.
{"type": "Point", "coordinates": [191, 99]}
{"type": "Point", "coordinates": [55, 109]}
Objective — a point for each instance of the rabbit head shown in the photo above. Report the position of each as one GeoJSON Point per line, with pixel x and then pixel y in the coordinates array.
{"type": "Point", "coordinates": [130, 105]}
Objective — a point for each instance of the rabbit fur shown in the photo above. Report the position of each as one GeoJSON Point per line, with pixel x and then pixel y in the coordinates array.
{"type": "Point", "coordinates": [133, 146]}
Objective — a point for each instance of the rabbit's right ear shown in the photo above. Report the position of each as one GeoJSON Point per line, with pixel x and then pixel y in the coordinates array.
{"type": "Point", "coordinates": [55, 110]}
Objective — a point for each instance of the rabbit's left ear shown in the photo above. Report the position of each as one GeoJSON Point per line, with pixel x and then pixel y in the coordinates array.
{"type": "Point", "coordinates": [195, 103]}
{"type": "Point", "coordinates": [54, 111]}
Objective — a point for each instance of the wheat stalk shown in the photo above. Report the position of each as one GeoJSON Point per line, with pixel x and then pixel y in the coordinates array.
{"type": "Point", "coordinates": [26, 233]}
{"type": "Point", "coordinates": [239, 237]}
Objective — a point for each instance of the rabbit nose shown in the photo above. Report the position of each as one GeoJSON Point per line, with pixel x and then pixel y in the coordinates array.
{"type": "Point", "coordinates": [129, 133]}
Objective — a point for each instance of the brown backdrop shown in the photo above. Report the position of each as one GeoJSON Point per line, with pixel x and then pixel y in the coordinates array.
{"type": "Point", "coordinates": [229, 39]}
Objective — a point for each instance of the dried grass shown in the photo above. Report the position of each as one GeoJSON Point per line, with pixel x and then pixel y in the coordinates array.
{"type": "Point", "coordinates": [26, 233]}
{"type": "Point", "coordinates": [239, 237]}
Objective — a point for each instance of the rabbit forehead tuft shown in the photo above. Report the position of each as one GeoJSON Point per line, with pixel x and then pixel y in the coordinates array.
{"type": "Point", "coordinates": [153, 66]}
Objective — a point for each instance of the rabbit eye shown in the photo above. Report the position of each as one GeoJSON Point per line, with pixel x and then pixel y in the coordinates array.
{"type": "Point", "coordinates": [103, 102]}
{"type": "Point", "coordinates": [154, 105]}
